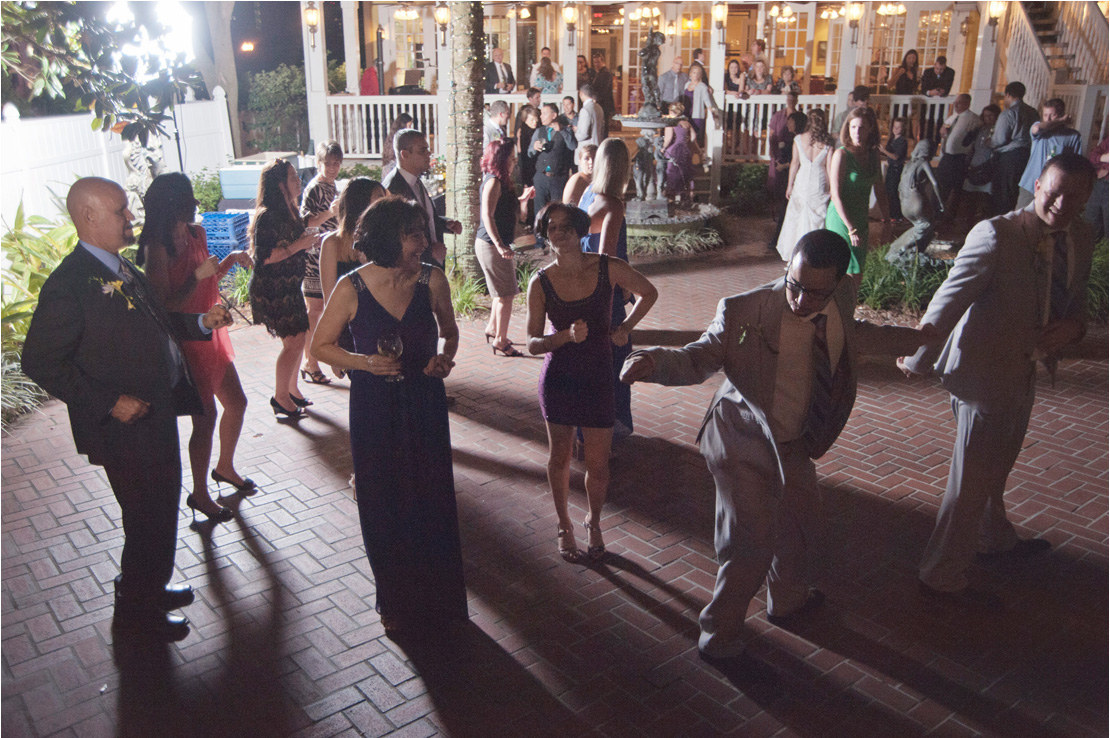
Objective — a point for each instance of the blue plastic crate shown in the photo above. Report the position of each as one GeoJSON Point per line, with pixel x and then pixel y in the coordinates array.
{"type": "Point", "coordinates": [226, 225]}
{"type": "Point", "coordinates": [221, 247]}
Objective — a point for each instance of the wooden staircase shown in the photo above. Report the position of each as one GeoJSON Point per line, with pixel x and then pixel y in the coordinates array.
{"type": "Point", "coordinates": [1043, 17]}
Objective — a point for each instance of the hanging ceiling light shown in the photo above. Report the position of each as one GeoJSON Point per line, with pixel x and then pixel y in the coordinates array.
{"type": "Point", "coordinates": [525, 12]}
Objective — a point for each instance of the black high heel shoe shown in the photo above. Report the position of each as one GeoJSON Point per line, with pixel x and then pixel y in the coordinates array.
{"type": "Point", "coordinates": [301, 401]}
{"type": "Point", "coordinates": [296, 413]}
{"type": "Point", "coordinates": [224, 515]}
{"type": "Point", "coordinates": [508, 351]}
{"type": "Point", "coordinates": [248, 486]}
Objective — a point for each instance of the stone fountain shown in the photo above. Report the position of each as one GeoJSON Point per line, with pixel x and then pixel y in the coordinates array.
{"type": "Point", "coordinates": [649, 212]}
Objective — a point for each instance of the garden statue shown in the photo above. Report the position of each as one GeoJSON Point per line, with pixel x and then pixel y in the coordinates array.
{"type": "Point", "coordinates": [143, 164]}
{"type": "Point", "coordinates": [661, 161]}
{"type": "Point", "coordinates": [643, 167]}
{"type": "Point", "coordinates": [921, 204]}
{"type": "Point", "coordinates": [649, 75]}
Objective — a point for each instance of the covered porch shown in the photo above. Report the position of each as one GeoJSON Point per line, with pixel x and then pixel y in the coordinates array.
{"type": "Point", "coordinates": [833, 47]}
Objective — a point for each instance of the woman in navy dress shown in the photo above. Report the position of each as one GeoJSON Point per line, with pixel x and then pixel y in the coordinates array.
{"type": "Point", "coordinates": [576, 388]}
{"type": "Point", "coordinates": [400, 438]}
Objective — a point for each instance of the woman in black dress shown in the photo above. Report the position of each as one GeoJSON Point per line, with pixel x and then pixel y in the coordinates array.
{"type": "Point", "coordinates": [400, 436]}
{"type": "Point", "coordinates": [278, 245]}
{"type": "Point", "coordinates": [906, 77]}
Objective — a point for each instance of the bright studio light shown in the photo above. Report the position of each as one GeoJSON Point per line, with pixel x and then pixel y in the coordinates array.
{"type": "Point", "coordinates": [176, 45]}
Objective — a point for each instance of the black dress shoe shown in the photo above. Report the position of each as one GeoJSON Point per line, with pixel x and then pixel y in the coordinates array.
{"type": "Point", "coordinates": [968, 597]}
{"type": "Point", "coordinates": [1023, 549]}
{"type": "Point", "coordinates": [151, 624]}
{"type": "Point", "coordinates": [176, 596]}
{"type": "Point", "coordinates": [814, 600]}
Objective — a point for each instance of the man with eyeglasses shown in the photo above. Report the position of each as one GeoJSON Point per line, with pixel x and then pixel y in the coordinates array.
{"type": "Point", "coordinates": [788, 350]}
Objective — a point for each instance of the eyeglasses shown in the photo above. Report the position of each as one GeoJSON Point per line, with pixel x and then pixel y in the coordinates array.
{"type": "Point", "coordinates": [815, 294]}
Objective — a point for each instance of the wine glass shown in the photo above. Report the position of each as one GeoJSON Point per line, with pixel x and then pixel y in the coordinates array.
{"type": "Point", "coordinates": [390, 346]}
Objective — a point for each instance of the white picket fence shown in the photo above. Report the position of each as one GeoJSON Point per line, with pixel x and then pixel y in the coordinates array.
{"type": "Point", "coordinates": [41, 157]}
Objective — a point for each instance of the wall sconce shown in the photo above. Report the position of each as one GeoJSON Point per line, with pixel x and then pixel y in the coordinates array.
{"type": "Point", "coordinates": [995, 10]}
{"type": "Point", "coordinates": [720, 15]}
{"type": "Point", "coordinates": [855, 12]}
{"type": "Point", "coordinates": [965, 26]}
{"type": "Point", "coordinates": [570, 16]}
{"type": "Point", "coordinates": [443, 17]}
{"type": "Point", "coordinates": [312, 20]}
{"type": "Point", "coordinates": [670, 29]}
{"type": "Point", "coordinates": [525, 13]}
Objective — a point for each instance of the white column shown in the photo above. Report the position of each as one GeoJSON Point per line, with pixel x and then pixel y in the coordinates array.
{"type": "Point", "coordinates": [569, 52]}
{"type": "Point", "coordinates": [351, 44]}
{"type": "Point", "coordinates": [846, 77]}
{"type": "Point", "coordinates": [316, 79]}
{"type": "Point", "coordinates": [714, 135]}
{"type": "Point", "coordinates": [982, 81]}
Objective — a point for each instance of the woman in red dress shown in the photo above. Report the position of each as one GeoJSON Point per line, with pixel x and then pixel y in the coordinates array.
{"type": "Point", "coordinates": [184, 277]}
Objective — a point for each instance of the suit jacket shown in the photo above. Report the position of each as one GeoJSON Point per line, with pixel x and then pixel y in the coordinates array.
{"type": "Point", "coordinates": [559, 156]}
{"type": "Point", "coordinates": [492, 79]}
{"type": "Point", "coordinates": [588, 129]}
{"type": "Point", "coordinates": [396, 184]}
{"type": "Point", "coordinates": [931, 81]}
{"type": "Point", "coordinates": [990, 308]}
{"type": "Point", "coordinates": [87, 347]}
{"type": "Point", "coordinates": [603, 91]}
{"type": "Point", "coordinates": [671, 85]}
{"type": "Point", "coordinates": [743, 340]}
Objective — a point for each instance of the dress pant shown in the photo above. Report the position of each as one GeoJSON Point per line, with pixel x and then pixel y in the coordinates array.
{"type": "Point", "coordinates": [145, 474]}
{"type": "Point", "coordinates": [972, 515]}
{"type": "Point", "coordinates": [746, 474]}
{"type": "Point", "coordinates": [549, 188]}
{"type": "Point", "coordinates": [950, 174]}
{"type": "Point", "coordinates": [797, 531]}
{"type": "Point", "coordinates": [1008, 168]}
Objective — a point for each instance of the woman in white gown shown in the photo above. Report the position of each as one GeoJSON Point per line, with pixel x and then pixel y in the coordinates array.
{"type": "Point", "coordinates": [808, 188]}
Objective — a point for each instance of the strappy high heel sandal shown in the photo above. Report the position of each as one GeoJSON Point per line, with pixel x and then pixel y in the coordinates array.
{"type": "Point", "coordinates": [595, 544]}
{"type": "Point", "coordinates": [314, 377]}
{"type": "Point", "coordinates": [568, 547]}
{"type": "Point", "coordinates": [508, 351]}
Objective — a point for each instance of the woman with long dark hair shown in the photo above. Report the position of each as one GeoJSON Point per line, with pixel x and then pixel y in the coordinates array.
{"type": "Point", "coordinates": [278, 245]}
{"type": "Point", "coordinates": [906, 76]}
{"type": "Point", "coordinates": [184, 277]}
{"type": "Point", "coordinates": [493, 245]}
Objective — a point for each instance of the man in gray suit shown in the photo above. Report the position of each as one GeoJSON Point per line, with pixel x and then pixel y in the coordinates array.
{"type": "Point", "coordinates": [788, 350]}
{"type": "Point", "coordinates": [588, 129]}
{"type": "Point", "coordinates": [1016, 295]}
{"type": "Point", "coordinates": [672, 82]}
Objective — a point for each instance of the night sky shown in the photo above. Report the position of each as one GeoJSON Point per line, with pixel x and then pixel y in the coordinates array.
{"type": "Point", "coordinates": [275, 29]}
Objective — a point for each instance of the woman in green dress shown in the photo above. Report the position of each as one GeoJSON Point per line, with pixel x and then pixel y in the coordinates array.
{"type": "Point", "coordinates": [853, 174]}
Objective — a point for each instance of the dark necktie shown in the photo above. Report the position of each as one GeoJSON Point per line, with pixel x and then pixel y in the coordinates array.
{"type": "Point", "coordinates": [820, 401]}
{"type": "Point", "coordinates": [1058, 295]}
{"type": "Point", "coordinates": [134, 289]}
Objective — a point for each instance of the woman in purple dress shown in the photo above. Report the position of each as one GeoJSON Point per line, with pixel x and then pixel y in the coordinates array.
{"type": "Point", "coordinates": [398, 311]}
{"type": "Point", "coordinates": [680, 148]}
{"type": "Point", "coordinates": [576, 387]}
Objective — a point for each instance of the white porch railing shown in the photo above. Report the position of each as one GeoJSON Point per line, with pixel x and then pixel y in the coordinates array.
{"type": "Point", "coordinates": [1021, 56]}
{"type": "Point", "coordinates": [361, 123]}
{"type": "Point", "coordinates": [746, 121]}
{"type": "Point", "coordinates": [1083, 32]}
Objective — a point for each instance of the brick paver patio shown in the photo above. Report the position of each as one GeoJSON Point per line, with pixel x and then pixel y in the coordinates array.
{"type": "Point", "coordinates": [285, 641]}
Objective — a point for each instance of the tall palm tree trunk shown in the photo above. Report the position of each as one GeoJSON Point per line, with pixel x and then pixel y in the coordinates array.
{"type": "Point", "coordinates": [464, 129]}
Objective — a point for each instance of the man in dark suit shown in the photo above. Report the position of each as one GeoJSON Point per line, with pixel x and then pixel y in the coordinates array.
{"type": "Point", "coordinates": [499, 75]}
{"type": "Point", "coordinates": [552, 147]}
{"type": "Point", "coordinates": [414, 158]}
{"type": "Point", "coordinates": [936, 81]}
{"type": "Point", "coordinates": [99, 342]}
{"type": "Point", "coordinates": [603, 92]}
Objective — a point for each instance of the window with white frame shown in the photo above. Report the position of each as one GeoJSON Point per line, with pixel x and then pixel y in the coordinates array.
{"type": "Point", "coordinates": [932, 35]}
{"type": "Point", "coordinates": [408, 40]}
{"type": "Point", "coordinates": [887, 41]}
{"type": "Point", "coordinates": [496, 28]}
{"type": "Point", "coordinates": [836, 38]}
{"type": "Point", "coordinates": [788, 44]}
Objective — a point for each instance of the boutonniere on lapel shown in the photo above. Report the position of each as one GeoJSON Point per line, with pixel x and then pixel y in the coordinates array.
{"type": "Point", "coordinates": [755, 328]}
{"type": "Point", "coordinates": [112, 287]}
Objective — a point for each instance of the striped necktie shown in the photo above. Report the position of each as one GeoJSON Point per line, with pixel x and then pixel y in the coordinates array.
{"type": "Point", "coordinates": [820, 401]}
{"type": "Point", "coordinates": [1058, 295]}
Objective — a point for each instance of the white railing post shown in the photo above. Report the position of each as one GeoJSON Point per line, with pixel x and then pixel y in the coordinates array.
{"type": "Point", "coordinates": [714, 132]}
{"type": "Point", "coordinates": [351, 43]}
{"type": "Point", "coordinates": [226, 145]}
{"type": "Point", "coordinates": [316, 80]}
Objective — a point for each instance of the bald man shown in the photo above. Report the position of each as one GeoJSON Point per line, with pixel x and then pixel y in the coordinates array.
{"type": "Point", "coordinates": [100, 343]}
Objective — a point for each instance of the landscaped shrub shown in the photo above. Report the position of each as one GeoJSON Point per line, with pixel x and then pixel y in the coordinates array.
{"type": "Point", "coordinates": [360, 170]}
{"type": "Point", "coordinates": [744, 189]}
{"type": "Point", "coordinates": [909, 286]}
{"type": "Point", "coordinates": [206, 188]}
{"type": "Point", "coordinates": [1098, 302]}
{"type": "Point", "coordinates": [280, 107]}
{"type": "Point", "coordinates": [689, 241]}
